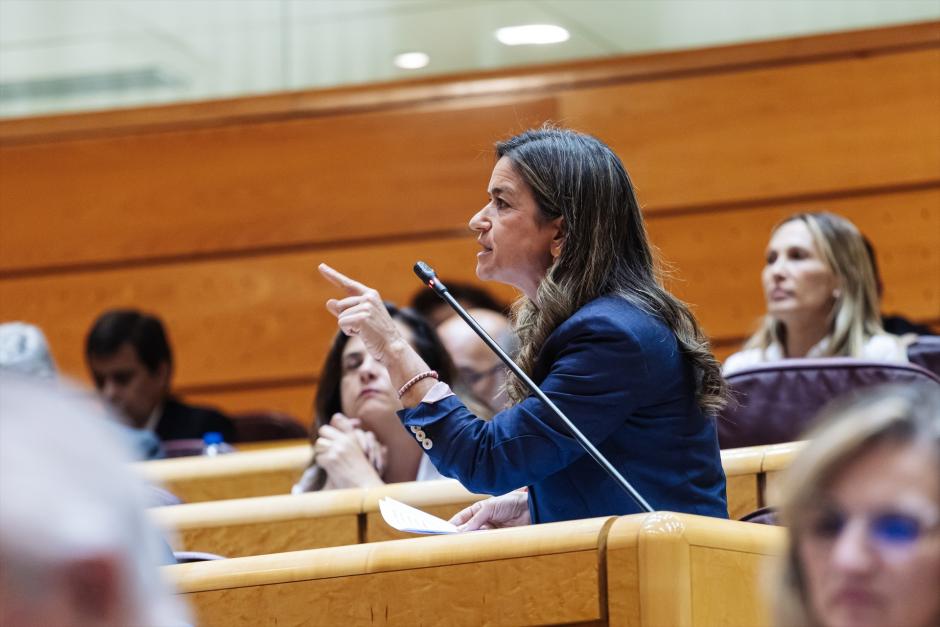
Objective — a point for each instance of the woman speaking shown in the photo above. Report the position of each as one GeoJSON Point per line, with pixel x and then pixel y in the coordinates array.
{"type": "Point", "coordinates": [618, 354]}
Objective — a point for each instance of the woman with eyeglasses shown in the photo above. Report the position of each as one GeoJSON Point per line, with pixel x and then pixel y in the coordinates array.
{"type": "Point", "coordinates": [862, 502]}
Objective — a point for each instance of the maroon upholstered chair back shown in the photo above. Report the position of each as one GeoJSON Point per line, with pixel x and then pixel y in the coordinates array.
{"type": "Point", "coordinates": [183, 447]}
{"type": "Point", "coordinates": [774, 402]}
{"type": "Point", "coordinates": [260, 426]}
{"type": "Point", "coordinates": [925, 352]}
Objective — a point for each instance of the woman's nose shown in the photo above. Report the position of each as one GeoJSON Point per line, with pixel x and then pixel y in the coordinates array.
{"type": "Point", "coordinates": [852, 551]}
{"type": "Point", "coordinates": [778, 267]}
{"type": "Point", "coordinates": [479, 222]}
{"type": "Point", "coordinates": [368, 370]}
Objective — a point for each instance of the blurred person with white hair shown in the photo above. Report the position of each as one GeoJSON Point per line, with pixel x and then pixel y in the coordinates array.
{"type": "Point", "coordinates": [75, 545]}
{"type": "Point", "coordinates": [24, 349]}
{"type": "Point", "coordinates": [862, 503]}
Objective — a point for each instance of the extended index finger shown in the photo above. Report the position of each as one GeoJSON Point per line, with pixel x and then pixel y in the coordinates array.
{"type": "Point", "coordinates": [339, 279]}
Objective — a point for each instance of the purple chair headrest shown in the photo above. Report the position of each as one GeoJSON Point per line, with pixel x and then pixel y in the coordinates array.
{"type": "Point", "coordinates": [774, 402]}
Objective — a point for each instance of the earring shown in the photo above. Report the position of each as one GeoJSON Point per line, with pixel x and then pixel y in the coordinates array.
{"type": "Point", "coordinates": [837, 293]}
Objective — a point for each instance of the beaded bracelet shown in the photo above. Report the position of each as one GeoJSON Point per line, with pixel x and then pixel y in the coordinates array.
{"type": "Point", "coordinates": [418, 377]}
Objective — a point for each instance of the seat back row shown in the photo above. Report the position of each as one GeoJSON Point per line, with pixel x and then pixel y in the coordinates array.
{"type": "Point", "coordinates": [285, 522]}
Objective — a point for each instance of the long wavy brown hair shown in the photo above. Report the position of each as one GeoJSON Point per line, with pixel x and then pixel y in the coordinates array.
{"type": "Point", "coordinates": [606, 251]}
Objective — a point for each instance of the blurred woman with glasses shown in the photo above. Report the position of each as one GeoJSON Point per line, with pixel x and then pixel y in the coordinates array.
{"type": "Point", "coordinates": [862, 502]}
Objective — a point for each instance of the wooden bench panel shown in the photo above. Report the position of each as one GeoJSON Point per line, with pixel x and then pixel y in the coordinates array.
{"type": "Point", "coordinates": [275, 524]}
{"type": "Point", "coordinates": [268, 524]}
{"type": "Point", "coordinates": [742, 468]}
{"type": "Point", "coordinates": [273, 471]}
{"type": "Point", "coordinates": [544, 574]}
{"type": "Point", "coordinates": [236, 475]}
{"type": "Point", "coordinates": [272, 524]}
{"type": "Point", "coordinates": [643, 570]}
{"type": "Point", "coordinates": [677, 569]}
{"type": "Point", "coordinates": [777, 459]}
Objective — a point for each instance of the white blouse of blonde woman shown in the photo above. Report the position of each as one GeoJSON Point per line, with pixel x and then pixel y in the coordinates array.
{"type": "Point", "coordinates": [801, 290]}
{"type": "Point", "coordinates": [354, 451]}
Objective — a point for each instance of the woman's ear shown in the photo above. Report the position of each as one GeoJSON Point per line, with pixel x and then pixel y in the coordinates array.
{"type": "Point", "coordinates": [558, 239]}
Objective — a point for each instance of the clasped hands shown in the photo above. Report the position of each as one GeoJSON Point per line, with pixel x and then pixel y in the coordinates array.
{"type": "Point", "coordinates": [351, 457]}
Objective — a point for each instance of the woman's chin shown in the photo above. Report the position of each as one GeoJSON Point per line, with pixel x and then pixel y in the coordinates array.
{"type": "Point", "coordinates": [376, 411]}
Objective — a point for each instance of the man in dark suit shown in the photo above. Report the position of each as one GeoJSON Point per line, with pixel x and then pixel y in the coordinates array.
{"type": "Point", "coordinates": [131, 363]}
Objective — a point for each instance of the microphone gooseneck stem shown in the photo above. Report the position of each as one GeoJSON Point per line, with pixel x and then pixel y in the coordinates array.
{"type": "Point", "coordinates": [427, 275]}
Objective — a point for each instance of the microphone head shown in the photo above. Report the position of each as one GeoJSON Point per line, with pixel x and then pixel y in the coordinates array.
{"type": "Point", "coordinates": [425, 272]}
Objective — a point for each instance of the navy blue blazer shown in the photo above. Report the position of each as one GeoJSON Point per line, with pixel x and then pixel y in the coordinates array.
{"type": "Point", "coordinates": [617, 373]}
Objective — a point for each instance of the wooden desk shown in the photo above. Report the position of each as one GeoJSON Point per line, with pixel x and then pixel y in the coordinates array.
{"type": "Point", "coordinates": [236, 475]}
{"type": "Point", "coordinates": [543, 574]}
{"type": "Point", "coordinates": [265, 524]}
{"type": "Point", "coordinates": [744, 482]}
{"type": "Point", "coordinates": [777, 458]}
{"type": "Point", "coordinates": [644, 570]}
{"type": "Point", "coordinates": [684, 571]}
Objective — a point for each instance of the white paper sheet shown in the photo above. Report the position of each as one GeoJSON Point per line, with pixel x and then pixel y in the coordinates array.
{"type": "Point", "coordinates": [406, 518]}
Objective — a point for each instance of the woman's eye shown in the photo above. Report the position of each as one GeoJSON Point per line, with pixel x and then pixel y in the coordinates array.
{"type": "Point", "coordinates": [351, 364]}
{"type": "Point", "coordinates": [827, 525]}
{"type": "Point", "coordinates": [798, 254]}
{"type": "Point", "coordinates": [896, 528]}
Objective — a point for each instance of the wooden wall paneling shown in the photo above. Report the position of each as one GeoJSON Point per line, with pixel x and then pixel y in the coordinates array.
{"type": "Point", "coordinates": [772, 132]}
{"type": "Point", "coordinates": [294, 400]}
{"type": "Point", "coordinates": [530, 79]}
{"type": "Point", "coordinates": [717, 256]}
{"type": "Point", "coordinates": [232, 320]}
{"type": "Point", "coordinates": [542, 574]}
{"type": "Point", "coordinates": [231, 213]}
{"type": "Point", "coordinates": [259, 320]}
{"type": "Point", "coordinates": [249, 186]}
{"type": "Point", "coordinates": [725, 134]}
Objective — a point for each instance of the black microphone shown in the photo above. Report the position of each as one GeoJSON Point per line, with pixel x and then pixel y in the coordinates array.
{"type": "Point", "coordinates": [427, 275]}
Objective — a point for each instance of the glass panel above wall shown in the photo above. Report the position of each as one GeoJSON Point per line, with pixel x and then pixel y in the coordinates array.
{"type": "Point", "coordinates": [80, 55]}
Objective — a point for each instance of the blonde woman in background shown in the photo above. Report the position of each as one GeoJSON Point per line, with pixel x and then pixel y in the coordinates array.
{"type": "Point", "coordinates": [822, 298]}
{"type": "Point", "coordinates": [862, 502]}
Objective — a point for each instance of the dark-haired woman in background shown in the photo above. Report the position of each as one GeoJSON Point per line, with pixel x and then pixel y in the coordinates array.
{"type": "Point", "coordinates": [622, 357]}
{"type": "Point", "coordinates": [357, 438]}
